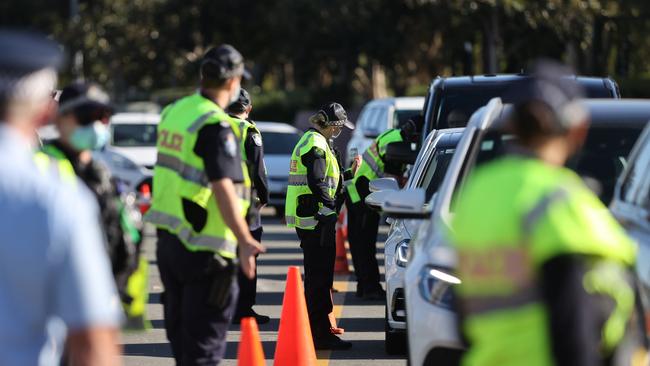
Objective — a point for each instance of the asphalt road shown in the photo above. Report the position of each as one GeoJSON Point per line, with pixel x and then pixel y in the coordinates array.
{"type": "Point", "coordinates": [363, 321]}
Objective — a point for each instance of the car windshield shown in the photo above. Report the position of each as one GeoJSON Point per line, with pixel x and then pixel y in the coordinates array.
{"type": "Point", "coordinates": [457, 105]}
{"type": "Point", "coordinates": [601, 160]}
{"type": "Point", "coordinates": [604, 156]}
{"type": "Point", "coordinates": [132, 135]}
{"type": "Point", "coordinates": [402, 115]}
{"type": "Point", "coordinates": [435, 171]}
{"type": "Point", "coordinates": [279, 143]}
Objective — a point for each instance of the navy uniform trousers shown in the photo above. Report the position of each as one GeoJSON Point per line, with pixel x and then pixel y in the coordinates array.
{"type": "Point", "coordinates": [195, 329]}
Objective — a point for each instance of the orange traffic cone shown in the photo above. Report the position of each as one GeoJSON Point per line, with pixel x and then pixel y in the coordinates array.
{"type": "Point", "coordinates": [341, 262]}
{"type": "Point", "coordinates": [250, 351]}
{"type": "Point", "coordinates": [295, 346]}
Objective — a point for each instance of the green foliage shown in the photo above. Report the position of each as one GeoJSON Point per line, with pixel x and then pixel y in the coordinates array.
{"type": "Point", "coordinates": [305, 52]}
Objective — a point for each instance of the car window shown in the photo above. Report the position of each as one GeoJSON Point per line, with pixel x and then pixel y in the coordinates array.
{"type": "Point", "coordinates": [402, 115]}
{"type": "Point", "coordinates": [638, 169]}
{"type": "Point", "coordinates": [279, 143]}
{"type": "Point", "coordinates": [131, 135]}
{"type": "Point", "coordinates": [435, 171]}
{"type": "Point", "coordinates": [603, 157]}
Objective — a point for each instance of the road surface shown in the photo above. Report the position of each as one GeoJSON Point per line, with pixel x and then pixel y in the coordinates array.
{"type": "Point", "coordinates": [363, 321]}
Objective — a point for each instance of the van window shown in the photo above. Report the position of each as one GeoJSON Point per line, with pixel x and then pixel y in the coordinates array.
{"type": "Point", "coordinates": [376, 122]}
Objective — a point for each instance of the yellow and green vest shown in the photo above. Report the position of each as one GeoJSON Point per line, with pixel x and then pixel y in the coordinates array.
{"type": "Point", "coordinates": [298, 180]}
{"type": "Point", "coordinates": [373, 161]}
{"type": "Point", "coordinates": [180, 174]}
{"type": "Point", "coordinates": [49, 156]}
{"type": "Point", "coordinates": [514, 215]}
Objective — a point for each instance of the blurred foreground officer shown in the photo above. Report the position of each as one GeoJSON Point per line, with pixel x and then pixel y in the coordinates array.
{"type": "Point", "coordinates": [200, 199]}
{"type": "Point", "coordinates": [54, 272]}
{"type": "Point", "coordinates": [83, 113]}
{"type": "Point", "coordinates": [545, 269]}
{"type": "Point", "coordinates": [363, 222]}
{"type": "Point", "coordinates": [313, 197]}
{"type": "Point", "coordinates": [253, 154]}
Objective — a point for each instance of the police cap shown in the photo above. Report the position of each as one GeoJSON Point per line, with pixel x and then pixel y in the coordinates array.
{"type": "Point", "coordinates": [87, 101]}
{"type": "Point", "coordinates": [331, 114]}
{"type": "Point", "coordinates": [28, 64]}
{"type": "Point", "coordinates": [553, 85]}
{"type": "Point", "coordinates": [223, 62]}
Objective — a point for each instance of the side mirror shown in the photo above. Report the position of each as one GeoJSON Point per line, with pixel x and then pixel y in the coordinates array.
{"type": "Point", "coordinates": [406, 204]}
{"type": "Point", "coordinates": [375, 200]}
{"type": "Point", "coordinates": [383, 184]}
{"type": "Point", "coordinates": [400, 153]}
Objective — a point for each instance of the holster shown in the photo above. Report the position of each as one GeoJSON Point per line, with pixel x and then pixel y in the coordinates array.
{"type": "Point", "coordinates": [222, 273]}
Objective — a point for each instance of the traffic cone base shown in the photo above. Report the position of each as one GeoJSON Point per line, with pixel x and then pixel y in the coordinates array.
{"type": "Point", "coordinates": [295, 345]}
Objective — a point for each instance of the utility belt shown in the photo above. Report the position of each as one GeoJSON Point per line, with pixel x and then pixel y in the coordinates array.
{"type": "Point", "coordinates": [222, 271]}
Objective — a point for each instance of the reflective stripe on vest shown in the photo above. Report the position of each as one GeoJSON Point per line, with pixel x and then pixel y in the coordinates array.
{"type": "Point", "coordinates": [305, 222]}
{"type": "Point", "coordinates": [301, 180]}
{"type": "Point", "coordinates": [176, 225]}
{"type": "Point", "coordinates": [186, 171]}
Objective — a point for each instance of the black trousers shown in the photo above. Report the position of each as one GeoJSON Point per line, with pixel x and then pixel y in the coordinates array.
{"type": "Point", "coordinates": [363, 224]}
{"type": "Point", "coordinates": [319, 252]}
{"type": "Point", "coordinates": [195, 329]}
{"type": "Point", "coordinates": [247, 286]}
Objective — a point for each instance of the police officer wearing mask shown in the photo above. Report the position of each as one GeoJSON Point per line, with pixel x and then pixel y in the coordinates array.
{"type": "Point", "coordinates": [253, 154]}
{"type": "Point", "coordinates": [313, 199]}
{"type": "Point", "coordinates": [84, 110]}
{"type": "Point", "coordinates": [363, 222]}
{"type": "Point", "coordinates": [200, 198]}
{"type": "Point", "coordinates": [545, 268]}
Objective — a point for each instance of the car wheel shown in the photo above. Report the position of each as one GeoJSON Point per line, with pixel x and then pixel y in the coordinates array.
{"type": "Point", "coordinates": [394, 342]}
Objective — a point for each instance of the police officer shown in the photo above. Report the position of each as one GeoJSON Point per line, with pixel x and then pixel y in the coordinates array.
{"type": "Point", "coordinates": [363, 222]}
{"type": "Point", "coordinates": [200, 197]}
{"type": "Point", "coordinates": [253, 154]}
{"type": "Point", "coordinates": [313, 198]}
{"type": "Point", "coordinates": [54, 268]}
{"type": "Point", "coordinates": [83, 113]}
{"type": "Point", "coordinates": [544, 266]}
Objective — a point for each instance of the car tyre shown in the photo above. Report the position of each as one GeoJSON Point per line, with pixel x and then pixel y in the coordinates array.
{"type": "Point", "coordinates": [394, 342]}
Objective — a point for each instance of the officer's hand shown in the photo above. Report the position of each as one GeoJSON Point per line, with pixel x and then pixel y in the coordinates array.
{"type": "Point", "coordinates": [247, 252]}
{"type": "Point", "coordinates": [356, 164]}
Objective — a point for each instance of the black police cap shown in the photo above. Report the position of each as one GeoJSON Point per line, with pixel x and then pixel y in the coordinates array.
{"type": "Point", "coordinates": [23, 53]}
{"type": "Point", "coordinates": [331, 114]}
{"type": "Point", "coordinates": [243, 102]}
{"type": "Point", "coordinates": [554, 85]}
{"type": "Point", "coordinates": [86, 100]}
{"type": "Point", "coordinates": [223, 62]}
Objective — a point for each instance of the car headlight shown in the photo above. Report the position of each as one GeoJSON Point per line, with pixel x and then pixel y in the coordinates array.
{"type": "Point", "coordinates": [435, 286]}
{"type": "Point", "coordinates": [402, 253]}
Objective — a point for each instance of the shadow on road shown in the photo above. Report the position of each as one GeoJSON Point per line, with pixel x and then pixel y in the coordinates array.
{"type": "Point", "coordinates": [162, 350]}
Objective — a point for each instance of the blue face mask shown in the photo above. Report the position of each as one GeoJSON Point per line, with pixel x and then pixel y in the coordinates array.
{"type": "Point", "coordinates": [91, 137]}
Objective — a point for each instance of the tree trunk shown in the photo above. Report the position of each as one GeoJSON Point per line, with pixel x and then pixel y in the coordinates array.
{"type": "Point", "coordinates": [378, 81]}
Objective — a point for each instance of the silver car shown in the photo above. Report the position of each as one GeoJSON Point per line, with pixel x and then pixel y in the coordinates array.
{"type": "Point", "coordinates": [279, 140]}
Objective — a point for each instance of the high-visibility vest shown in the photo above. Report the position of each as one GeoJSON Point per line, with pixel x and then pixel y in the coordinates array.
{"type": "Point", "coordinates": [180, 174]}
{"type": "Point", "coordinates": [51, 158]}
{"type": "Point", "coordinates": [373, 161]}
{"type": "Point", "coordinates": [298, 180]}
{"type": "Point", "coordinates": [514, 215]}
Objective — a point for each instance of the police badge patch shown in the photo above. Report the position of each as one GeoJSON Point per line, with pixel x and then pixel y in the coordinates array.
{"type": "Point", "coordinates": [230, 145]}
{"type": "Point", "coordinates": [257, 139]}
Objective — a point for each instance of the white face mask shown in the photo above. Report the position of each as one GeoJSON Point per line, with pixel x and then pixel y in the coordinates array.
{"type": "Point", "coordinates": [235, 95]}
